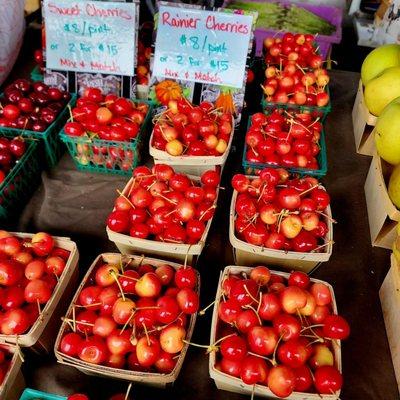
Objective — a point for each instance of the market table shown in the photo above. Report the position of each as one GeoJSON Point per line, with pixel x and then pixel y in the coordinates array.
{"type": "Point", "coordinates": [76, 204]}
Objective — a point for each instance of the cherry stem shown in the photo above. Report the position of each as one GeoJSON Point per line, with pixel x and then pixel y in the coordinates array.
{"type": "Point", "coordinates": [114, 275]}
{"type": "Point", "coordinates": [74, 318]}
{"type": "Point", "coordinates": [322, 245]}
{"type": "Point", "coordinates": [259, 305]}
{"type": "Point", "coordinates": [88, 305]}
{"type": "Point", "coordinates": [250, 295]}
{"type": "Point", "coordinates": [79, 322]}
{"type": "Point", "coordinates": [205, 212]}
{"type": "Point", "coordinates": [202, 346]}
{"type": "Point", "coordinates": [167, 199]}
{"type": "Point", "coordinates": [203, 311]}
{"type": "Point", "coordinates": [273, 362]}
{"type": "Point", "coordinates": [128, 391]}
{"type": "Point", "coordinates": [309, 189]}
{"type": "Point", "coordinates": [122, 195]}
{"type": "Point", "coordinates": [128, 277]}
{"type": "Point", "coordinates": [311, 326]}
{"type": "Point", "coordinates": [252, 308]}
{"type": "Point", "coordinates": [327, 217]}
{"type": "Point", "coordinates": [146, 333]}
{"type": "Point", "coordinates": [223, 338]}
{"type": "Point", "coordinates": [128, 321]}
{"type": "Point", "coordinates": [38, 306]}
{"type": "Point", "coordinates": [252, 392]}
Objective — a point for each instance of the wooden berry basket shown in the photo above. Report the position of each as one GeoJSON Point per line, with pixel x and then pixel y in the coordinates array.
{"type": "Point", "coordinates": [177, 252]}
{"type": "Point", "coordinates": [192, 165]}
{"type": "Point", "coordinates": [227, 382]}
{"type": "Point", "coordinates": [363, 125]}
{"type": "Point", "coordinates": [14, 382]}
{"type": "Point", "coordinates": [248, 254]}
{"type": "Point", "coordinates": [148, 378]}
{"type": "Point", "coordinates": [382, 213]}
{"type": "Point", "coordinates": [42, 333]}
{"type": "Point", "coordinates": [389, 294]}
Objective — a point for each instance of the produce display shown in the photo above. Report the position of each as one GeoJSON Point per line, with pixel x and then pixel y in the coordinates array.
{"type": "Point", "coordinates": [281, 213]}
{"type": "Point", "coordinates": [185, 129]}
{"type": "Point", "coordinates": [166, 206]}
{"type": "Point", "coordinates": [11, 150]}
{"type": "Point", "coordinates": [287, 139]}
{"type": "Point", "coordinates": [132, 316]}
{"type": "Point", "coordinates": [31, 106]}
{"type": "Point", "coordinates": [294, 72]}
{"type": "Point", "coordinates": [279, 331]}
{"type": "Point", "coordinates": [29, 273]}
{"type": "Point", "coordinates": [281, 17]}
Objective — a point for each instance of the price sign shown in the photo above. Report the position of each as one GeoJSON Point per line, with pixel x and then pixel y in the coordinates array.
{"type": "Point", "coordinates": [202, 46]}
{"type": "Point", "coordinates": [90, 36]}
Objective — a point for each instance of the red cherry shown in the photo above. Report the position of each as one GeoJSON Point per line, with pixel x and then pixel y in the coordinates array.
{"type": "Point", "coordinates": [233, 348]}
{"type": "Point", "coordinates": [37, 291]}
{"type": "Point", "coordinates": [253, 370]}
{"type": "Point", "coordinates": [168, 310]}
{"type": "Point", "coordinates": [299, 279]}
{"type": "Point", "coordinates": [327, 380]}
{"type": "Point", "coordinates": [188, 300]}
{"type": "Point", "coordinates": [118, 221]}
{"type": "Point", "coordinates": [229, 310]}
{"type": "Point", "coordinates": [93, 350]}
{"type": "Point", "coordinates": [70, 344]}
{"type": "Point", "coordinates": [336, 327]}
{"type": "Point", "coordinates": [186, 277]}
{"type": "Point", "coordinates": [14, 322]}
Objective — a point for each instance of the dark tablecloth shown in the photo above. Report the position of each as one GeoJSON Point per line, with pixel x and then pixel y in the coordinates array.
{"type": "Point", "coordinates": [76, 204]}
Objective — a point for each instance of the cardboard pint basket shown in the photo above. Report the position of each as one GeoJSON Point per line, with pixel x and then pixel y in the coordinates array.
{"type": "Point", "coordinates": [227, 382]}
{"type": "Point", "coordinates": [389, 295]}
{"type": "Point", "coordinates": [363, 124]}
{"type": "Point", "coordinates": [174, 251]}
{"type": "Point", "coordinates": [248, 254]}
{"type": "Point", "coordinates": [193, 165]}
{"type": "Point", "coordinates": [41, 335]}
{"type": "Point", "coordinates": [14, 382]}
{"type": "Point", "coordinates": [148, 378]}
{"type": "Point", "coordinates": [383, 215]}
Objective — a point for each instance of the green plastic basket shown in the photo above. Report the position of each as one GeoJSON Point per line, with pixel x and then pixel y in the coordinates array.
{"type": "Point", "coordinates": [36, 75]}
{"type": "Point", "coordinates": [30, 394]}
{"type": "Point", "coordinates": [251, 168]}
{"type": "Point", "coordinates": [21, 181]}
{"type": "Point", "coordinates": [107, 156]}
{"type": "Point", "coordinates": [315, 111]}
{"type": "Point", "coordinates": [49, 138]}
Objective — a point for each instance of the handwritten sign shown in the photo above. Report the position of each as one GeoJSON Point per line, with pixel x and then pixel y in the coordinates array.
{"type": "Point", "coordinates": [90, 36]}
{"type": "Point", "coordinates": [202, 46]}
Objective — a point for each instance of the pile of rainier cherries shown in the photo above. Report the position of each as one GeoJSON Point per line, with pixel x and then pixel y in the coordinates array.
{"type": "Point", "coordinates": [133, 317]}
{"type": "Point", "coordinates": [279, 332]}
{"type": "Point", "coordinates": [281, 213]}
{"type": "Point", "coordinates": [165, 206]}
